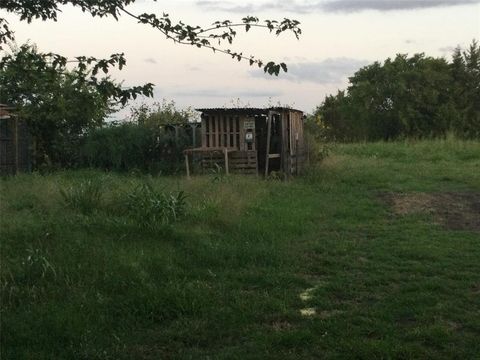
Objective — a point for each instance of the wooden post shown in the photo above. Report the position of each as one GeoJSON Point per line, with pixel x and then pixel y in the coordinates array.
{"type": "Point", "coordinates": [225, 153]}
{"type": "Point", "coordinates": [194, 134]}
{"type": "Point", "coordinates": [219, 131]}
{"type": "Point", "coordinates": [234, 131]}
{"type": "Point", "coordinates": [204, 133]}
{"type": "Point", "coordinates": [296, 154]}
{"type": "Point", "coordinates": [186, 166]}
{"type": "Point", "coordinates": [228, 130]}
{"type": "Point", "coordinates": [269, 130]}
{"type": "Point", "coordinates": [15, 120]}
{"type": "Point", "coordinates": [286, 159]}
{"type": "Point", "coordinates": [212, 133]}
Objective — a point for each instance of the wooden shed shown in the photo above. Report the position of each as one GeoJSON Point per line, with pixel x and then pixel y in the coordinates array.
{"type": "Point", "coordinates": [250, 140]}
{"type": "Point", "coordinates": [14, 142]}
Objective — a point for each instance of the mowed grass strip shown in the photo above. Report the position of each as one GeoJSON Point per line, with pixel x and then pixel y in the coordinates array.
{"type": "Point", "coordinates": [228, 279]}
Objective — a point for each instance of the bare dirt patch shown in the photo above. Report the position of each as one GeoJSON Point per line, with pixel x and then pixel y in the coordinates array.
{"type": "Point", "coordinates": [453, 210]}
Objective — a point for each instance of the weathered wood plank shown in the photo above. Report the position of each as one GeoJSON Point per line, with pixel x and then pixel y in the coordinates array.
{"type": "Point", "coordinates": [187, 168]}
{"type": "Point", "coordinates": [226, 160]}
{"type": "Point", "coordinates": [269, 130]}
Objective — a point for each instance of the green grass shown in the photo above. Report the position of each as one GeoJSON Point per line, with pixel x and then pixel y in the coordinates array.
{"type": "Point", "coordinates": [224, 281]}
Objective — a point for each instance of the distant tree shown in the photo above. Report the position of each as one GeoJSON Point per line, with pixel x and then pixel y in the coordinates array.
{"type": "Point", "coordinates": [415, 96]}
{"type": "Point", "coordinates": [160, 114]}
{"type": "Point", "coordinates": [465, 69]}
{"type": "Point", "coordinates": [401, 97]}
{"type": "Point", "coordinates": [333, 117]}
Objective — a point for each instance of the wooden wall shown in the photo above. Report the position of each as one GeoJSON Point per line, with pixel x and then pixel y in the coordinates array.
{"type": "Point", "coordinates": [220, 131]}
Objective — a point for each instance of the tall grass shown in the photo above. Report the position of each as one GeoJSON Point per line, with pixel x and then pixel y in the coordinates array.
{"type": "Point", "coordinates": [85, 196]}
{"type": "Point", "coordinates": [225, 280]}
{"type": "Point", "coordinates": [151, 208]}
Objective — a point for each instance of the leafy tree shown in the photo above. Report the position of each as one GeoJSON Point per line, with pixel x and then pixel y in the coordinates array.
{"type": "Point", "coordinates": [59, 104]}
{"type": "Point", "coordinates": [465, 69]}
{"type": "Point", "coordinates": [415, 96]}
{"type": "Point", "coordinates": [160, 114]}
{"type": "Point", "coordinates": [400, 97]}
{"type": "Point", "coordinates": [213, 37]}
{"type": "Point", "coordinates": [332, 117]}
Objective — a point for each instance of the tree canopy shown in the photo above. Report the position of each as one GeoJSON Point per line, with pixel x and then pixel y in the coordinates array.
{"type": "Point", "coordinates": [415, 96]}
{"type": "Point", "coordinates": [59, 104]}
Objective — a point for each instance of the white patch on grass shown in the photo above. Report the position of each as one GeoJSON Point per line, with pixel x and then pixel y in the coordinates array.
{"type": "Point", "coordinates": [307, 294]}
{"type": "Point", "coordinates": [308, 312]}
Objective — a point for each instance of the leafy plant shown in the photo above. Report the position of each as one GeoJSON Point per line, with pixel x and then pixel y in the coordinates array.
{"type": "Point", "coordinates": [150, 208]}
{"type": "Point", "coordinates": [85, 196]}
{"type": "Point", "coordinates": [218, 173]}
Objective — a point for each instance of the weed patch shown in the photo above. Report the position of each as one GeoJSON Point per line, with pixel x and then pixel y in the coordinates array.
{"type": "Point", "coordinates": [85, 196]}
{"type": "Point", "coordinates": [151, 208]}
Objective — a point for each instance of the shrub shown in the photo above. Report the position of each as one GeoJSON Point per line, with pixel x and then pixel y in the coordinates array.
{"type": "Point", "coordinates": [128, 146]}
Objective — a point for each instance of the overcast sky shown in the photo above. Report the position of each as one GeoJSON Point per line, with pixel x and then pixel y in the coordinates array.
{"type": "Point", "coordinates": [339, 36]}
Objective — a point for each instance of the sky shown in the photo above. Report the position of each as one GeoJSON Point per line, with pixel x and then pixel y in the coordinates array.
{"type": "Point", "coordinates": [338, 37]}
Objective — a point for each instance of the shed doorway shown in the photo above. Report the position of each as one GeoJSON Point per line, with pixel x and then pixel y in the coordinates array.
{"type": "Point", "coordinates": [261, 139]}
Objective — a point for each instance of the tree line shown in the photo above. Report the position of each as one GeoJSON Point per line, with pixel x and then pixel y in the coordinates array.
{"type": "Point", "coordinates": [407, 97]}
{"type": "Point", "coordinates": [66, 108]}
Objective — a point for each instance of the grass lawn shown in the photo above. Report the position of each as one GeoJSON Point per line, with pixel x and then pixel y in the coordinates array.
{"type": "Point", "coordinates": [374, 254]}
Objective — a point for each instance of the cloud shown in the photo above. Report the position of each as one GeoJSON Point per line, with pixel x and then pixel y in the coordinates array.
{"type": "Point", "coordinates": [223, 93]}
{"type": "Point", "coordinates": [227, 6]}
{"type": "Point", "coordinates": [338, 6]}
{"type": "Point", "coordinates": [447, 49]}
{"type": "Point", "coordinates": [150, 60]}
{"type": "Point", "coordinates": [389, 5]}
{"type": "Point", "coordinates": [328, 71]}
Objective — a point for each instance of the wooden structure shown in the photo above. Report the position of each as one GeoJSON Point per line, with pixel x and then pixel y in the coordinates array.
{"type": "Point", "coordinates": [14, 143]}
{"type": "Point", "coordinates": [250, 140]}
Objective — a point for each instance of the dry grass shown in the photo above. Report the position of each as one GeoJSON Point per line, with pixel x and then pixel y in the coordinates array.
{"type": "Point", "coordinates": [454, 210]}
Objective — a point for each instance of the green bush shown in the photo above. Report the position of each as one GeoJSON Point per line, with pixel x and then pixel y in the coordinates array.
{"type": "Point", "coordinates": [133, 146]}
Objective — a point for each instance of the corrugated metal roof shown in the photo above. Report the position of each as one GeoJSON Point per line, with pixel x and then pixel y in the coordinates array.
{"type": "Point", "coordinates": [245, 111]}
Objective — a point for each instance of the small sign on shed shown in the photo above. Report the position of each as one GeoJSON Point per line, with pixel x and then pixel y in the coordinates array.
{"type": "Point", "coordinates": [249, 124]}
